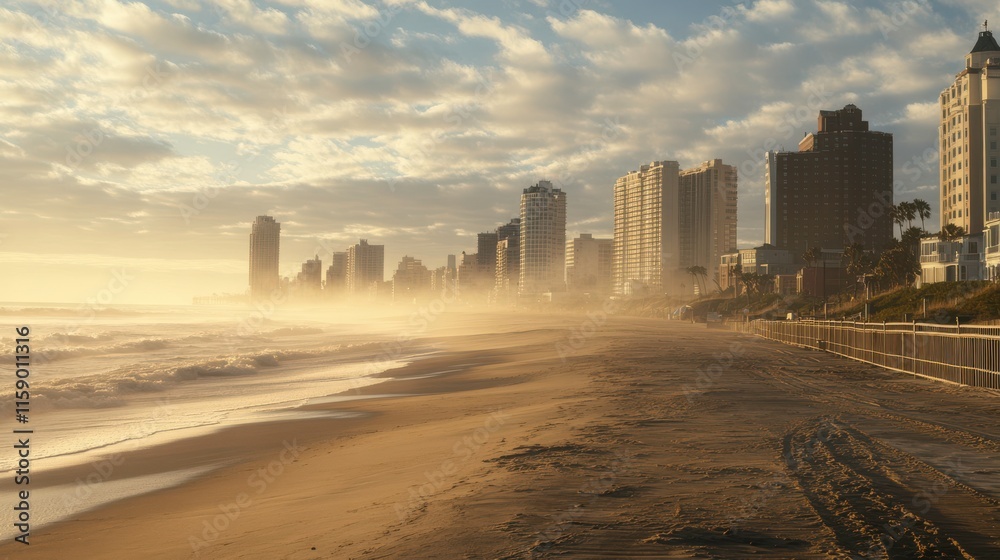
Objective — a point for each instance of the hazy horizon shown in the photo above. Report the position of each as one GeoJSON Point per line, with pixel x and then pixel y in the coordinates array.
{"type": "Point", "coordinates": [141, 140]}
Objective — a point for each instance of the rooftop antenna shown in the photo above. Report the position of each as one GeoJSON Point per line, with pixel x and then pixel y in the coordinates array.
{"type": "Point", "coordinates": [986, 24]}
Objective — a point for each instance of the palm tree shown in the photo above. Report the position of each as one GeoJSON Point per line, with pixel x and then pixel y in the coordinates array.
{"type": "Point", "coordinates": [697, 272]}
{"type": "Point", "coordinates": [923, 210]}
{"type": "Point", "coordinates": [908, 211]}
{"type": "Point", "coordinates": [951, 232]}
{"type": "Point", "coordinates": [857, 262]}
{"type": "Point", "coordinates": [897, 214]}
{"type": "Point", "coordinates": [702, 274]}
{"type": "Point", "coordinates": [812, 255]}
{"type": "Point", "coordinates": [898, 266]}
{"type": "Point", "coordinates": [911, 237]}
{"type": "Point", "coordinates": [735, 275]}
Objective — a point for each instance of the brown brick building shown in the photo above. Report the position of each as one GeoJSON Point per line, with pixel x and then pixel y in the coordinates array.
{"type": "Point", "coordinates": [837, 189]}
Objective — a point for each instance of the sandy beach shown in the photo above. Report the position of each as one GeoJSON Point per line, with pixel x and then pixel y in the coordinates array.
{"type": "Point", "coordinates": [567, 436]}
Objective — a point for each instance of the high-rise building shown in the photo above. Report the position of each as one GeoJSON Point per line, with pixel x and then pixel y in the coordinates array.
{"type": "Point", "coordinates": [707, 218]}
{"type": "Point", "coordinates": [451, 263]}
{"type": "Point", "coordinates": [265, 237]}
{"type": "Point", "coordinates": [365, 266]}
{"type": "Point", "coordinates": [588, 264]}
{"type": "Point", "coordinates": [510, 229]}
{"type": "Point", "coordinates": [411, 279]}
{"type": "Point", "coordinates": [508, 257]}
{"type": "Point", "coordinates": [506, 276]}
{"type": "Point", "coordinates": [646, 244]}
{"type": "Point", "coordinates": [543, 238]}
{"type": "Point", "coordinates": [336, 274]}
{"type": "Point", "coordinates": [310, 279]}
{"type": "Point", "coordinates": [835, 191]}
{"type": "Point", "coordinates": [968, 138]}
{"type": "Point", "coordinates": [487, 251]}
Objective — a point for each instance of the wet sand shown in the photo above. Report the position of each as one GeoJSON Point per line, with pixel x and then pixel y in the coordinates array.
{"type": "Point", "coordinates": [560, 436]}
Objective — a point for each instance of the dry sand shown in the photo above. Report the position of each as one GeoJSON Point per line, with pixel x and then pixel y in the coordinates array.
{"type": "Point", "coordinates": [651, 439]}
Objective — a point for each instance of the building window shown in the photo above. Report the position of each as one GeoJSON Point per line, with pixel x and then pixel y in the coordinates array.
{"type": "Point", "coordinates": [993, 131]}
{"type": "Point", "coordinates": [993, 162]}
{"type": "Point", "coordinates": [993, 179]}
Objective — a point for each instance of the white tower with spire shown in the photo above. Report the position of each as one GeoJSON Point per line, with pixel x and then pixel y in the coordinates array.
{"type": "Point", "coordinates": [969, 138]}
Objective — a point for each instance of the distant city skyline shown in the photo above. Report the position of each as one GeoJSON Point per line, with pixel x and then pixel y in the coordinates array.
{"type": "Point", "coordinates": [150, 140]}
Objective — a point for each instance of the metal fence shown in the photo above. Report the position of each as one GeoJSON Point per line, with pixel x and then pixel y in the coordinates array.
{"type": "Point", "coordinates": [966, 354]}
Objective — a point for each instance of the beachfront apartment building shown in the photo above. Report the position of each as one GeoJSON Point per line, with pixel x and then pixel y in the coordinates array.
{"type": "Point", "coordinates": [646, 252]}
{"type": "Point", "coordinates": [365, 267]}
{"type": "Point", "coordinates": [336, 274]}
{"type": "Point", "coordinates": [411, 279]}
{"type": "Point", "coordinates": [486, 253]}
{"type": "Point", "coordinates": [588, 264]}
{"type": "Point", "coordinates": [835, 191]}
{"type": "Point", "coordinates": [969, 139]}
{"type": "Point", "coordinates": [265, 241]}
{"type": "Point", "coordinates": [542, 239]}
{"type": "Point", "coordinates": [508, 259]}
{"type": "Point", "coordinates": [991, 242]}
{"type": "Point", "coordinates": [951, 261]}
{"type": "Point", "coordinates": [309, 281]}
{"type": "Point", "coordinates": [667, 220]}
{"type": "Point", "coordinates": [708, 215]}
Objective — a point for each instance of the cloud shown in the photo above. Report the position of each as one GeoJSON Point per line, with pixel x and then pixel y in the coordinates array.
{"type": "Point", "coordinates": [349, 119]}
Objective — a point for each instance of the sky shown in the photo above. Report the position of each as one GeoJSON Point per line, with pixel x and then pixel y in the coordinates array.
{"type": "Point", "coordinates": [138, 141]}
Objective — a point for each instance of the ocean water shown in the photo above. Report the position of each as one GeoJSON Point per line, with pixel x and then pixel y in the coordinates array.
{"type": "Point", "coordinates": [129, 377]}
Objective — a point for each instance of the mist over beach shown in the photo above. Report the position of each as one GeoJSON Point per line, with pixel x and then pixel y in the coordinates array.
{"type": "Point", "coordinates": [435, 279]}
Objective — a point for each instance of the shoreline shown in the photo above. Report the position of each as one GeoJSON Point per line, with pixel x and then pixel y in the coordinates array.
{"type": "Point", "coordinates": [647, 438]}
{"type": "Point", "coordinates": [228, 447]}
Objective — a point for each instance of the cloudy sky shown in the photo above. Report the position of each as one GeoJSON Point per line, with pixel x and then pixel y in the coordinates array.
{"type": "Point", "coordinates": [141, 139]}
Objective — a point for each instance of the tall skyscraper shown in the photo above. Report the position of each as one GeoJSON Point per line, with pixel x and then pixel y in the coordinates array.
{"type": "Point", "coordinates": [265, 237]}
{"type": "Point", "coordinates": [310, 279]}
{"type": "Point", "coordinates": [836, 190]}
{"type": "Point", "coordinates": [970, 119]}
{"type": "Point", "coordinates": [336, 274]}
{"type": "Point", "coordinates": [588, 264]}
{"type": "Point", "coordinates": [365, 266]}
{"type": "Point", "coordinates": [646, 243]}
{"type": "Point", "coordinates": [487, 251]}
{"type": "Point", "coordinates": [508, 255]}
{"type": "Point", "coordinates": [543, 238]}
{"type": "Point", "coordinates": [411, 279]}
{"type": "Point", "coordinates": [707, 220]}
